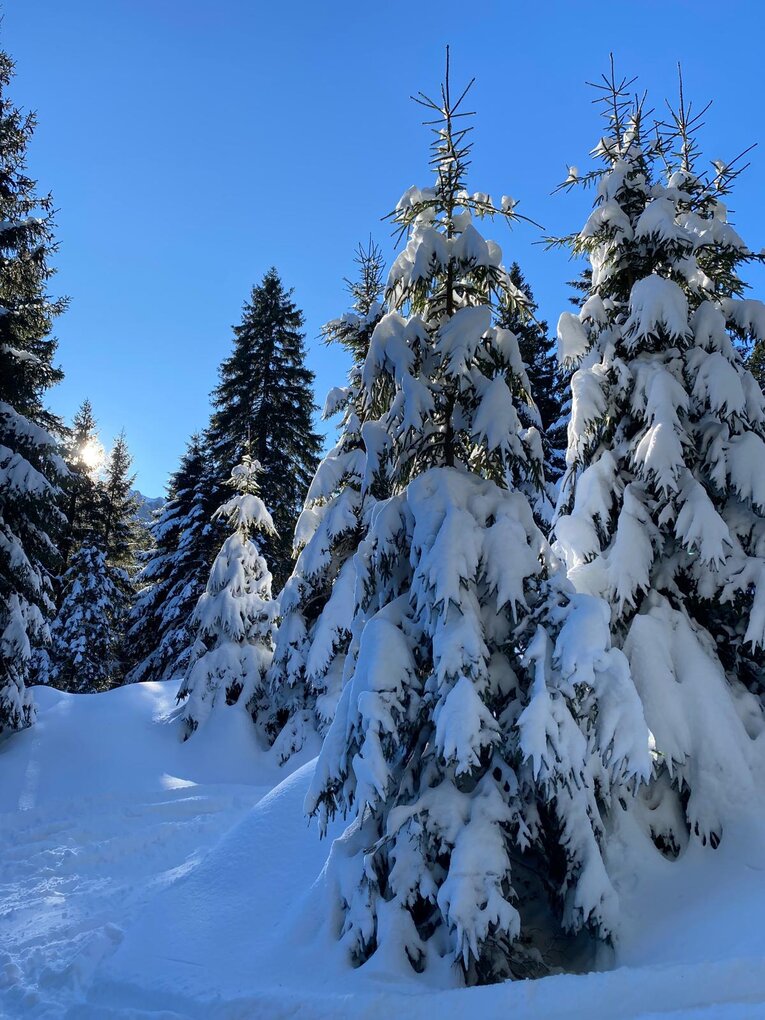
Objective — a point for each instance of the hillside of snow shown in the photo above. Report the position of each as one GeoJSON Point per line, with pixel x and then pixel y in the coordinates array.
{"type": "Point", "coordinates": [143, 877]}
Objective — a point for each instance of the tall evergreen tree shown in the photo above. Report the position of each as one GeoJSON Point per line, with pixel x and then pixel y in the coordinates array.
{"type": "Point", "coordinates": [317, 602]}
{"type": "Point", "coordinates": [581, 286]}
{"type": "Point", "coordinates": [353, 329]}
{"type": "Point", "coordinates": [548, 389]}
{"type": "Point", "coordinates": [87, 650]}
{"type": "Point", "coordinates": [756, 363]}
{"type": "Point", "coordinates": [175, 570]}
{"type": "Point", "coordinates": [265, 390]}
{"type": "Point", "coordinates": [83, 500]}
{"type": "Point", "coordinates": [121, 538]}
{"type": "Point", "coordinates": [662, 507]}
{"type": "Point", "coordinates": [121, 528]}
{"type": "Point", "coordinates": [235, 616]}
{"type": "Point", "coordinates": [30, 469]}
{"type": "Point", "coordinates": [475, 774]}
{"type": "Point", "coordinates": [86, 634]}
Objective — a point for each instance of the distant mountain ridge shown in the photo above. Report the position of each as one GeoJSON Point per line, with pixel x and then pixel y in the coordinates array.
{"type": "Point", "coordinates": [147, 506]}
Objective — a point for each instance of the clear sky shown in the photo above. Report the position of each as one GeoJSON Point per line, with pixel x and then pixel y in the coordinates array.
{"type": "Point", "coordinates": [191, 144]}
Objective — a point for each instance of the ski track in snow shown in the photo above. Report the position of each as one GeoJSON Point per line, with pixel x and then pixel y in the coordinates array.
{"type": "Point", "coordinates": [71, 881]}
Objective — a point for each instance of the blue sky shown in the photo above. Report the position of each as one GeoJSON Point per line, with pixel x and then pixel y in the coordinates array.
{"type": "Point", "coordinates": [190, 145]}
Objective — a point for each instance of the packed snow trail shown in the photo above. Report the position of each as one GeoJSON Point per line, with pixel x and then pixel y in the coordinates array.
{"type": "Point", "coordinates": [101, 807]}
{"type": "Point", "coordinates": [145, 878]}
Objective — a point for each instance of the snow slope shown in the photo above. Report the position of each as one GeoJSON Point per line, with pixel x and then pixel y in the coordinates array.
{"type": "Point", "coordinates": [141, 877]}
{"type": "Point", "coordinates": [101, 808]}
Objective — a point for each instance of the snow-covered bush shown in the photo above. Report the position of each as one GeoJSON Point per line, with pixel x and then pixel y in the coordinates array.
{"type": "Point", "coordinates": [235, 616]}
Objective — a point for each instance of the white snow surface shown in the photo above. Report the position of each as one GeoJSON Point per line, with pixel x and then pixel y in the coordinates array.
{"type": "Point", "coordinates": [142, 877]}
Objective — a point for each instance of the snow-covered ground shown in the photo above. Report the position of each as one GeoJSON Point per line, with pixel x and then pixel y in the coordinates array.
{"type": "Point", "coordinates": [141, 877]}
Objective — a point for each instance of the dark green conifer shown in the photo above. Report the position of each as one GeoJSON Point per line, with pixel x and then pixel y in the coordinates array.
{"type": "Point", "coordinates": [86, 634]}
{"type": "Point", "coordinates": [88, 651]}
{"type": "Point", "coordinates": [174, 572]}
{"type": "Point", "coordinates": [548, 388]}
{"type": "Point", "coordinates": [121, 529]}
{"type": "Point", "coordinates": [83, 500]}
{"type": "Point", "coordinates": [30, 469]}
{"type": "Point", "coordinates": [265, 391]}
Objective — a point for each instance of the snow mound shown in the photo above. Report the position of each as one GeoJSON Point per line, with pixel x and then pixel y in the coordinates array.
{"type": "Point", "coordinates": [102, 807]}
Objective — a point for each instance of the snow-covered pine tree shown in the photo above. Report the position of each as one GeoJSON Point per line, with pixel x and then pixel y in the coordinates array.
{"type": "Point", "coordinates": [316, 604]}
{"type": "Point", "coordinates": [30, 468]}
{"type": "Point", "coordinates": [121, 537]}
{"type": "Point", "coordinates": [80, 545]}
{"type": "Point", "coordinates": [87, 650]}
{"type": "Point", "coordinates": [538, 351]}
{"type": "Point", "coordinates": [353, 329]}
{"type": "Point", "coordinates": [83, 494]}
{"type": "Point", "coordinates": [756, 362]}
{"type": "Point", "coordinates": [235, 616]}
{"type": "Point", "coordinates": [662, 505]}
{"type": "Point", "coordinates": [475, 777]}
{"type": "Point", "coordinates": [265, 389]}
{"type": "Point", "coordinates": [121, 527]}
{"type": "Point", "coordinates": [581, 287]}
{"type": "Point", "coordinates": [85, 636]}
{"type": "Point", "coordinates": [175, 570]}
